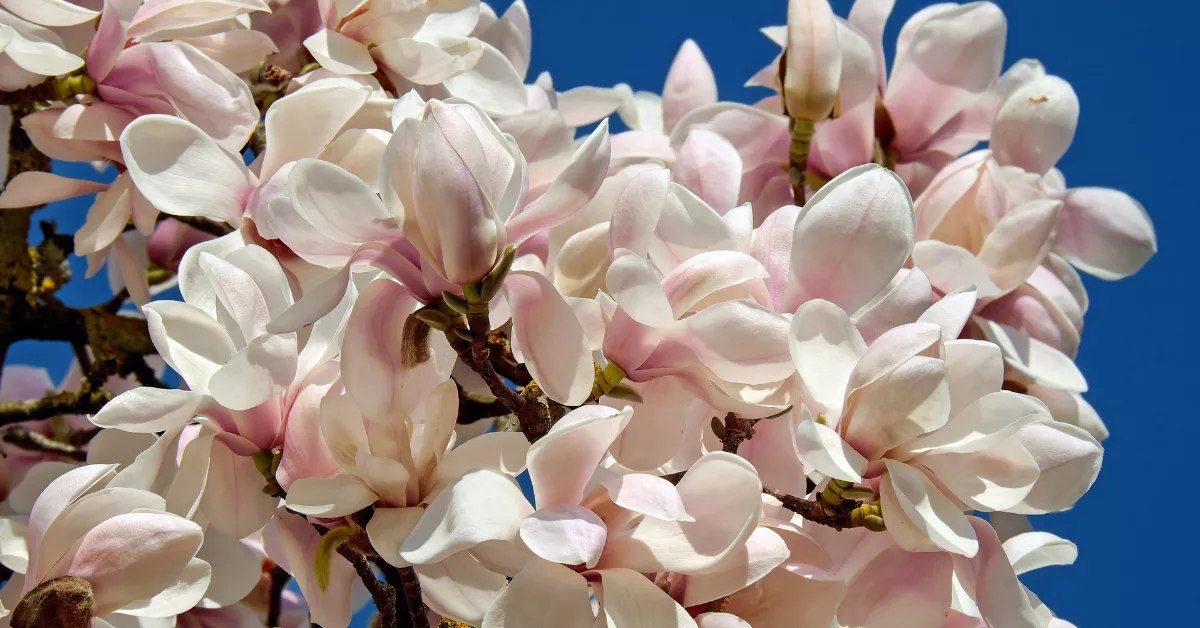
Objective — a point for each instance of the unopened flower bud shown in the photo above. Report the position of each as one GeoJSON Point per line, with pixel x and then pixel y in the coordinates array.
{"type": "Point", "coordinates": [812, 64]}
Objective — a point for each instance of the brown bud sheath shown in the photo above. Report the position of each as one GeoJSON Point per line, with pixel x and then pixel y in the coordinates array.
{"type": "Point", "coordinates": [65, 602]}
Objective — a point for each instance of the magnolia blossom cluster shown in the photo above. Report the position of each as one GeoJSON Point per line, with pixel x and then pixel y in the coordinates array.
{"type": "Point", "coordinates": [805, 363]}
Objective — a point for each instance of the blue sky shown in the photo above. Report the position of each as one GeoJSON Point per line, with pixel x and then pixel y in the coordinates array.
{"type": "Point", "coordinates": [1130, 64]}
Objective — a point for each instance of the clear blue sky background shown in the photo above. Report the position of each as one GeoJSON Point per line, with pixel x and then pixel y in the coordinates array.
{"type": "Point", "coordinates": [1133, 66]}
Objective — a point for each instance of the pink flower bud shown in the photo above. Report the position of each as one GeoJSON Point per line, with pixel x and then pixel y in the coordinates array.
{"type": "Point", "coordinates": [812, 62]}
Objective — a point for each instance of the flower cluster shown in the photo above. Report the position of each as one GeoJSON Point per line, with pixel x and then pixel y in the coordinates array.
{"type": "Point", "coordinates": [761, 365]}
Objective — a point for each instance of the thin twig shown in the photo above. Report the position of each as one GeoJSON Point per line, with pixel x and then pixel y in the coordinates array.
{"type": "Point", "coordinates": [473, 408]}
{"type": "Point", "coordinates": [207, 226]}
{"type": "Point", "coordinates": [383, 593]}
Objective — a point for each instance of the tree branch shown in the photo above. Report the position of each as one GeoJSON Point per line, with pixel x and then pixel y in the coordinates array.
{"type": "Point", "coordinates": [203, 224]}
{"type": "Point", "coordinates": [405, 579]}
{"type": "Point", "coordinates": [473, 408]}
{"type": "Point", "coordinates": [383, 593]}
{"type": "Point", "coordinates": [29, 440]}
{"type": "Point", "coordinates": [54, 404]}
{"type": "Point", "coordinates": [279, 580]}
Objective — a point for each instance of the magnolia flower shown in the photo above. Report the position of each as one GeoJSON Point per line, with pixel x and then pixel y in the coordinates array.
{"type": "Point", "coordinates": [423, 43]}
{"type": "Point", "coordinates": [592, 527]}
{"type": "Point", "coordinates": [136, 558]}
{"type": "Point", "coordinates": [926, 417]}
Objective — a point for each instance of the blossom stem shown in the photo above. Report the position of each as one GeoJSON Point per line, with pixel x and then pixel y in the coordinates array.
{"type": "Point", "coordinates": [802, 136]}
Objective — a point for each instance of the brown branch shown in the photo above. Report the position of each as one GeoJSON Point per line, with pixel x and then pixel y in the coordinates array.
{"type": "Point", "coordinates": [848, 514]}
{"type": "Point", "coordinates": [503, 360]}
{"type": "Point", "coordinates": [279, 580]}
{"type": "Point", "coordinates": [736, 431]}
{"type": "Point", "coordinates": [41, 92]}
{"type": "Point", "coordinates": [533, 416]}
{"type": "Point", "coordinates": [204, 224]}
{"type": "Point", "coordinates": [405, 579]}
{"type": "Point", "coordinates": [383, 593]}
{"type": "Point", "coordinates": [29, 440]}
{"type": "Point", "coordinates": [473, 408]}
{"type": "Point", "coordinates": [54, 404]}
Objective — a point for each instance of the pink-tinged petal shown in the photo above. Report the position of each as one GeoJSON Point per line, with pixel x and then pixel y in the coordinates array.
{"type": "Point", "coordinates": [647, 494]}
{"type": "Point", "coordinates": [499, 452]}
{"type": "Point", "coordinates": [55, 550]}
{"type": "Point", "coordinates": [709, 273]}
{"type": "Point", "coordinates": [631, 599]}
{"type": "Point", "coordinates": [634, 147]}
{"type": "Point", "coordinates": [332, 497]}
{"type": "Point", "coordinates": [1034, 550]}
{"type": "Point", "coordinates": [111, 34]}
{"type": "Point", "coordinates": [189, 340]}
{"type": "Point", "coordinates": [892, 349]}
{"type": "Point", "coordinates": [512, 36]}
{"type": "Point", "coordinates": [1071, 408]}
{"type": "Point", "coordinates": [1036, 124]}
{"type": "Point", "coordinates": [291, 541]}
{"type": "Point", "coordinates": [321, 109]}
{"type": "Point", "coordinates": [323, 298]}
{"type": "Point", "coordinates": [562, 461]}
{"type": "Point", "coordinates": [772, 247]}
{"type": "Point", "coordinates": [460, 587]}
{"type": "Point", "coordinates": [996, 478]}
{"type": "Point", "coordinates": [653, 435]}
{"type": "Point", "coordinates": [264, 368]}
{"type": "Point", "coordinates": [57, 496]}
{"type": "Point", "coordinates": [147, 410]}
{"type": "Point", "coordinates": [359, 152]}
{"type": "Point", "coordinates": [375, 365]}
{"type": "Point", "coordinates": [481, 506]}
{"type": "Point", "coordinates": [106, 219]}
{"type": "Point", "coordinates": [184, 172]}
{"type": "Point", "coordinates": [870, 17]}
{"type": "Point", "coordinates": [932, 514]}
{"type": "Point", "coordinates": [909, 295]}
{"type": "Point", "coordinates": [813, 60]}
{"type": "Point", "coordinates": [795, 601]}
{"type": "Point", "coordinates": [581, 264]}
{"type": "Point", "coordinates": [175, 77]}
{"type": "Point", "coordinates": [338, 204]}
{"type": "Point", "coordinates": [1019, 242]}
{"type": "Point", "coordinates": [821, 448]}
{"type": "Point", "coordinates": [775, 453]}
{"type": "Point", "coordinates": [1035, 359]}
{"type": "Point", "coordinates": [543, 595]}
{"type": "Point", "coordinates": [709, 165]}
{"type": "Point", "coordinates": [690, 84]}
{"type": "Point", "coordinates": [1069, 460]}
{"type": "Point", "coordinates": [983, 423]}
{"type": "Point", "coordinates": [134, 556]}
{"type": "Point", "coordinates": [388, 528]}
{"type": "Point", "coordinates": [338, 53]}
{"type": "Point", "coordinates": [851, 238]}
{"type": "Point", "coordinates": [637, 288]}
{"type": "Point", "coordinates": [687, 227]}
{"type": "Point", "coordinates": [233, 500]}
{"type": "Point", "coordinates": [975, 368]}
{"type": "Point", "coordinates": [29, 189]}
{"type": "Point", "coordinates": [571, 535]}
{"type": "Point", "coordinates": [493, 84]}
{"type": "Point", "coordinates": [739, 341]}
{"type": "Point", "coordinates": [825, 347]}
{"type": "Point", "coordinates": [761, 553]}
{"type": "Point", "coordinates": [952, 268]}
{"type": "Point", "coordinates": [236, 569]}
{"type": "Point", "coordinates": [569, 193]}
{"type": "Point", "coordinates": [757, 134]}
{"type": "Point", "coordinates": [1105, 233]}
{"type": "Point", "coordinates": [238, 50]}
{"type": "Point", "coordinates": [551, 339]}
{"type": "Point", "coordinates": [637, 210]}
{"type": "Point", "coordinates": [724, 495]}
{"type": "Point", "coordinates": [951, 313]}
{"type": "Point", "coordinates": [946, 58]}
{"type": "Point", "coordinates": [990, 580]}
{"type": "Point", "coordinates": [899, 590]}
{"type": "Point", "coordinates": [49, 12]}
{"type": "Point", "coordinates": [581, 106]}
{"type": "Point", "coordinates": [911, 400]}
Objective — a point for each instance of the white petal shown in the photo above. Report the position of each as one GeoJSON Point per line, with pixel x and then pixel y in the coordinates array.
{"type": "Point", "coordinates": [821, 448]}
{"type": "Point", "coordinates": [571, 535]}
{"type": "Point", "coordinates": [481, 506]}
{"type": "Point", "coordinates": [935, 516]}
{"type": "Point", "coordinates": [825, 346]}
{"type": "Point", "coordinates": [336, 496]}
{"type": "Point", "coordinates": [631, 600]}
{"type": "Point", "coordinates": [338, 53]}
{"type": "Point", "coordinates": [1034, 550]}
{"type": "Point", "coordinates": [543, 595]}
